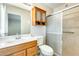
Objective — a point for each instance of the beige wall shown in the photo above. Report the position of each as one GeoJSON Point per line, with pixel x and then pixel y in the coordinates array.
{"type": "Point", "coordinates": [25, 18]}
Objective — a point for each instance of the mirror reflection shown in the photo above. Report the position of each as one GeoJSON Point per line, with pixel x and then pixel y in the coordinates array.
{"type": "Point", "coordinates": [19, 20]}
{"type": "Point", "coordinates": [14, 24]}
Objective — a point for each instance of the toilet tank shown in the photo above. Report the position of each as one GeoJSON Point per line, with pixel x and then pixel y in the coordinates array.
{"type": "Point", "coordinates": [40, 40]}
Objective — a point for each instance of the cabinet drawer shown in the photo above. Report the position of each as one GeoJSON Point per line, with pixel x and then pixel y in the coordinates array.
{"type": "Point", "coordinates": [32, 51]}
{"type": "Point", "coordinates": [26, 45]}
{"type": "Point", "coordinates": [20, 53]}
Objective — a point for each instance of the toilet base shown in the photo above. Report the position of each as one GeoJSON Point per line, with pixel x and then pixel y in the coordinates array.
{"type": "Point", "coordinates": [44, 54]}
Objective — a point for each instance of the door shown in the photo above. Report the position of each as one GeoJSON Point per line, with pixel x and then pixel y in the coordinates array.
{"type": "Point", "coordinates": [71, 32]}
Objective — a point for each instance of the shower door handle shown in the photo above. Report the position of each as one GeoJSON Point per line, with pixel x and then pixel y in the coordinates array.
{"type": "Point", "coordinates": [68, 32]}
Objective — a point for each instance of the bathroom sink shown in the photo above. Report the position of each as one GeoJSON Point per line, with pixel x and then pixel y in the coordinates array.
{"type": "Point", "coordinates": [26, 37]}
{"type": "Point", "coordinates": [2, 44]}
{"type": "Point", "coordinates": [5, 43]}
{"type": "Point", "coordinates": [13, 41]}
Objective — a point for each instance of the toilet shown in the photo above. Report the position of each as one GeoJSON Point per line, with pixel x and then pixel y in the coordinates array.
{"type": "Point", "coordinates": [45, 50]}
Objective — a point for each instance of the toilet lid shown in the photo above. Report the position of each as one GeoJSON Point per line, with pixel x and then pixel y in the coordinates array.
{"type": "Point", "coordinates": [45, 49]}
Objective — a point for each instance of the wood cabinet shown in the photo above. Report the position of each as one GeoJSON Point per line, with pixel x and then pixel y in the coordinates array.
{"type": "Point", "coordinates": [20, 53]}
{"type": "Point", "coordinates": [38, 16]}
{"type": "Point", "coordinates": [24, 49]}
{"type": "Point", "coordinates": [32, 51]}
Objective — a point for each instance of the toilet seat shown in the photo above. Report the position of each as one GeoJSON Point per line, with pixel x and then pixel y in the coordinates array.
{"type": "Point", "coordinates": [46, 50]}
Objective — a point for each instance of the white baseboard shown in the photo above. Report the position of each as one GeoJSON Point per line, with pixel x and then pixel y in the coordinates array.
{"type": "Point", "coordinates": [57, 54]}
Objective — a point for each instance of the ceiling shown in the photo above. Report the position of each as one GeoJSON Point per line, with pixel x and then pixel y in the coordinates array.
{"type": "Point", "coordinates": [51, 5]}
{"type": "Point", "coordinates": [27, 6]}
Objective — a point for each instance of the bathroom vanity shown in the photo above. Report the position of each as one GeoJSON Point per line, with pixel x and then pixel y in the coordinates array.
{"type": "Point", "coordinates": [26, 48]}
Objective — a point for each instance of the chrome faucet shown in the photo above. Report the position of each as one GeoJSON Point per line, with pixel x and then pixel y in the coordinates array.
{"type": "Point", "coordinates": [18, 37]}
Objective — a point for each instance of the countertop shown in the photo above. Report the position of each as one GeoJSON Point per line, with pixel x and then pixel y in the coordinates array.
{"type": "Point", "coordinates": [11, 42]}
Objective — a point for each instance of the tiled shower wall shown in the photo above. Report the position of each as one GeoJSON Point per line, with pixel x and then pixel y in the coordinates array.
{"type": "Point", "coordinates": [39, 31]}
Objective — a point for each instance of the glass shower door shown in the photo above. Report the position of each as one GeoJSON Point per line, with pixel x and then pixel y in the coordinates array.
{"type": "Point", "coordinates": [71, 32]}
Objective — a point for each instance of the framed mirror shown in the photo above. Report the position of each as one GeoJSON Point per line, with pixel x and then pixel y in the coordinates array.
{"type": "Point", "coordinates": [14, 20]}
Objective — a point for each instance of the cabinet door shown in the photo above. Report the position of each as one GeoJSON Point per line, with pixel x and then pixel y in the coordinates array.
{"type": "Point", "coordinates": [32, 51]}
{"type": "Point", "coordinates": [38, 15]}
{"type": "Point", "coordinates": [43, 16]}
{"type": "Point", "coordinates": [20, 53]}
